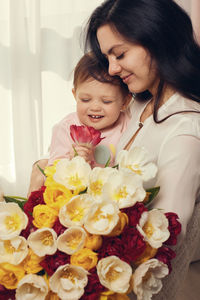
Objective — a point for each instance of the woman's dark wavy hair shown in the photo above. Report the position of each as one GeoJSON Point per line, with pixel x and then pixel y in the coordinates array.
{"type": "Point", "coordinates": [165, 30]}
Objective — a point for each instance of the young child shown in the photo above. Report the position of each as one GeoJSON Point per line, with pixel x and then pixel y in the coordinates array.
{"type": "Point", "coordinates": [101, 104]}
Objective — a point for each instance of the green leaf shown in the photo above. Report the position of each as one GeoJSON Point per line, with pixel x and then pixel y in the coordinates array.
{"type": "Point", "coordinates": [41, 170]}
{"type": "Point", "coordinates": [115, 166]}
{"type": "Point", "coordinates": [152, 194]}
{"type": "Point", "coordinates": [83, 192]}
{"type": "Point", "coordinates": [14, 199]}
{"type": "Point", "coordinates": [108, 162]}
{"type": "Point", "coordinates": [75, 152]}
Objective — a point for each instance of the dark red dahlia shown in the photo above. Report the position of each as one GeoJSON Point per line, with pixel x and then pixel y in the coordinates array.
{"type": "Point", "coordinates": [51, 262]}
{"type": "Point", "coordinates": [174, 228]}
{"type": "Point", "coordinates": [134, 213]}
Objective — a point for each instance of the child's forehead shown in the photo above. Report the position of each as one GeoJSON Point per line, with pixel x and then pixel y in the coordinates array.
{"type": "Point", "coordinates": [93, 82]}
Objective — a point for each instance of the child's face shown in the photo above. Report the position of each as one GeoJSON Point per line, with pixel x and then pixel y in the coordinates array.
{"type": "Point", "coordinates": [98, 104]}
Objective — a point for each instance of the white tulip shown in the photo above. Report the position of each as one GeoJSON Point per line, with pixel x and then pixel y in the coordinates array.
{"type": "Point", "coordinates": [137, 160]}
{"type": "Point", "coordinates": [68, 282]}
{"type": "Point", "coordinates": [102, 217]}
{"type": "Point", "coordinates": [153, 225]}
{"type": "Point", "coordinates": [32, 287]}
{"type": "Point", "coordinates": [73, 174]}
{"type": "Point", "coordinates": [98, 177]}
{"type": "Point", "coordinates": [125, 188]}
{"type": "Point", "coordinates": [146, 279]}
{"type": "Point", "coordinates": [13, 251]}
{"type": "Point", "coordinates": [72, 240]}
{"type": "Point", "coordinates": [43, 241]}
{"type": "Point", "coordinates": [12, 220]}
{"type": "Point", "coordinates": [74, 212]}
{"type": "Point", "coordinates": [114, 274]}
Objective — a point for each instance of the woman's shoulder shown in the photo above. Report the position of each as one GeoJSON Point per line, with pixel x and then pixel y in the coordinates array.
{"type": "Point", "coordinates": [185, 116]}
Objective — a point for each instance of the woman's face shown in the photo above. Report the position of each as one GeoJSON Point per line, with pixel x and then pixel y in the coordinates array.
{"type": "Point", "coordinates": [128, 60]}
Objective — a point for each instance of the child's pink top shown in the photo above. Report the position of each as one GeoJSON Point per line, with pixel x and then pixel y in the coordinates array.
{"type": "Point", "coordinates": [61, 142]}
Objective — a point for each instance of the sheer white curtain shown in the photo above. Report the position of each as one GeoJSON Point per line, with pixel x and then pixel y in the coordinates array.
{"type": "Point", "coordinates": [39, 47]}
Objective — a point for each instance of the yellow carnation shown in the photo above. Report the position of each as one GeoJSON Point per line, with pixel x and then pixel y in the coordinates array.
{"type": "Point", "coordinates": [123, 220]}
{"type": "Point", "coordinates": [31, 264]}
{"type": "Point", "coordinates": [84, 258]}
{"type": "Point", "coordinates": [93, 241]}
{"type": "Point", "coordinates": [44, 216]}
{"type": "Point", "coordinates": [10, 275]}
{"type": "Point", "coordinates": [57, 195]}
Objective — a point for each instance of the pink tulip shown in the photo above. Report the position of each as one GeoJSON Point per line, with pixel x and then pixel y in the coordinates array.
{"type": "Point", "coordinates": [85, 135]}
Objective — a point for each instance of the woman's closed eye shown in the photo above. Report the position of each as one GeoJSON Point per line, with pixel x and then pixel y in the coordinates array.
{"type": "Point", "coordinates": [120, 56]}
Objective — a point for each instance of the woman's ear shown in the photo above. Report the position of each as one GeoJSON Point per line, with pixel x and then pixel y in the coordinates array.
{"type": "Point", "coordinates": [127, 101]}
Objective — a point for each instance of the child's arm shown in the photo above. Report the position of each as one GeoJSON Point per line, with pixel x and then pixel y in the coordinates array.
{"type": "Point", "coordinates": [37, 178]}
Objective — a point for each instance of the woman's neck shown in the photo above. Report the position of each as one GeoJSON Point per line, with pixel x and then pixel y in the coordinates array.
{"type": "Point", "coordinates": [168, 91]}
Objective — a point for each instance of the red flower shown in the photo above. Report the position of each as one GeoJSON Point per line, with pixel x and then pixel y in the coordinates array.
{"type": "Point", "coordinates": [111, 246]}
{"type": "Point", "coordinates": [94, 287]}
{"type": "Point", "coordinates": [34, 199]}
{"type": "Point", "coordinates": [134, 213]}
{"type": "Point", "coordinates": [29, 228]}
{"type": "Point", "coordinates": [85, 135]}
{"type": "Point", "coordinates": [174, 228]}
{"type": "Point", "coordinates": [134, 244]}
{"type": "Point", "coordinates": [58, 227]}
{"type": "Point", "coordinates": [165, 254]}
{"type": "Point", "coordinates": [52, 262]}
{"type": "Point", "coordinates": [6, 294]}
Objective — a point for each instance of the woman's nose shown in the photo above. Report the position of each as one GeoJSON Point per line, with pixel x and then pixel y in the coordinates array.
{"type": "Point", "coordinates": [114, 68]}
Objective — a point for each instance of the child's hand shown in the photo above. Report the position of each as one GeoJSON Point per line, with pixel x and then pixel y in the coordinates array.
{"type": "Point", "coordinates": [37, 178]}
{"type": "Point", "coordinates": [83, 151]}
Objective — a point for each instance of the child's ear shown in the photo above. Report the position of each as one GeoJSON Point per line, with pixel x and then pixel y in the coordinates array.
{"type": "Point", "coordinates": [74, 92]}
{"type": "Point", "coordinates": [127, 100]}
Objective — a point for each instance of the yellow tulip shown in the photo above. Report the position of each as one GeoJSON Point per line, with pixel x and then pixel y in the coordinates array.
{"type": "Point", "coordinates": [122, 222]}
{"type": "Point", "coordinates": [85, 258]}
{"type": "Point", "coordinates": [31, 264]}
{"type": "Point", "coordinates": [10, 275]}
{"type": "Point", "coordinates": [93, 241]}
{"type": "Point", "coordinates": [44, 216]}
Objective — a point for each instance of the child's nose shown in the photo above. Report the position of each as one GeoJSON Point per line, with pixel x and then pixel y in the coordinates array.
{"type": "Point", "coordinates": [95, 106]}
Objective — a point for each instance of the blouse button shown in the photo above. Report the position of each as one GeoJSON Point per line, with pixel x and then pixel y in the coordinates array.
{"type": "Point", "coordinates": [140, 124]}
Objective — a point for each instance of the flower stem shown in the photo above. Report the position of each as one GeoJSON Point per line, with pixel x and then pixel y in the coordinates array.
{"type": "Point", "coordinates": [17, 197]}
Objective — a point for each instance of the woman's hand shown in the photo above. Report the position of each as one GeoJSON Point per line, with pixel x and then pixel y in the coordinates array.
{"type": "Point", "coordinates": [37, 178]}
{"type": "Point", "coordinates": [82, 150]}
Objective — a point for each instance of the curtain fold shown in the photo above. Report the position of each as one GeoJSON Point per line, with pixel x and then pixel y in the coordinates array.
{"type": "Point", "coordinates": [39, 47]}
{"type": "Point", "coordinates": [25, 86]}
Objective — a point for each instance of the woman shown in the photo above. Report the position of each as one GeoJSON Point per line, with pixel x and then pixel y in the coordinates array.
{"type": "Point", "coordinates": [150, 45]}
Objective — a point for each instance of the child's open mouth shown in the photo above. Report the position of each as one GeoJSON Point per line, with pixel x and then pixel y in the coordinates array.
{"type": "Point", "coordinates": [95, 117]}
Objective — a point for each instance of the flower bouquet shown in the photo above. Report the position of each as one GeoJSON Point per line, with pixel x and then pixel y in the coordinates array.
{"type": "Point", "coordinates": [87, 234]}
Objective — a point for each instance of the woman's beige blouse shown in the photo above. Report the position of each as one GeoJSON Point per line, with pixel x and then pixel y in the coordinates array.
{"type": "Point", "coordinates": [174, 146]}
